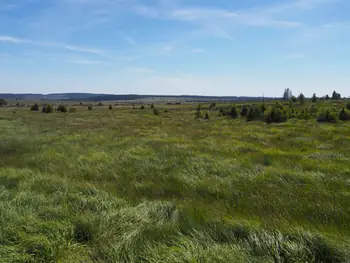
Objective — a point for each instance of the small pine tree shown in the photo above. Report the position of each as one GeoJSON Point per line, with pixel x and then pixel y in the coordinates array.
{"type": "Point", "coordinates": [326, 116]}
{"type": "Point", "coordinates": [62, 108]}
{"type": "Point", "coordinates": [152, 106]}
{"type": "Point", "coordinates": [326, 97]}
{"type": "Point", "coordinates": [207, 116]}
{"type": "Point", "coordinates": [314, 98]}
{"type": "Point", "coordinates": [35, 107]}
{"type": "Point", "coordinates": [348, 106]}
{"type": "Point", "coordinates": [244, 111]}
{"type": "Point", "coordinates": [344, 115]}
{"type": "Point", "coordinates": [294, 99]}
{"type": "Point", "coordinates": [90, 107]}
{"type": "Point", "coordinates": [301, 99]}
{"type": "Point", "coordinates": [254, 113]}
{"type": "Point", "coordinates": [198, 112]}
{"type": "Point", "coordinates": [155, 111]}
{"type": "Point", "coordinates": [110, 107]}
{"type": "Point", "coordinates": [234, 113]}
{"type": "Point", "coordinates": [142, 107]}
{"type": "Point", "coordinates": [276, 115]}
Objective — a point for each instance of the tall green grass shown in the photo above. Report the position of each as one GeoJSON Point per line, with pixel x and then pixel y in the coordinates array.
{"type": "Point", "coordinates": [130, 186]}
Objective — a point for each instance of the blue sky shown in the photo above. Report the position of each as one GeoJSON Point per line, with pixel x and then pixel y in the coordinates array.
{"type": "Point", "coordinates": [202, 47]}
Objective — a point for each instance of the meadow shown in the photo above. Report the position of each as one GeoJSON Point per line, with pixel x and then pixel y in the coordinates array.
{"type": "Point", "coordinates": [126, 185]}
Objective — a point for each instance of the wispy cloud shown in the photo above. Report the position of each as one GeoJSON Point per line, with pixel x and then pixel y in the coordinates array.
{"type": "Point", "coordinates": [15, 40]}
{"type": "Point", "coordinates": [83, 62]}
{"type": "Point", "coordinates": [138, 70]}
{"type": "Point", "coordinates": [130, 40]}
{"type": "Point", "coordinates": [168, 48]}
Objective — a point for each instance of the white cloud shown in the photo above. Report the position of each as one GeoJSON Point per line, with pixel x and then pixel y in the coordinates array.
{"type": "Point", "coordinates": [15, 40]}
{"type": "Point", "coordinates": [83, 62]}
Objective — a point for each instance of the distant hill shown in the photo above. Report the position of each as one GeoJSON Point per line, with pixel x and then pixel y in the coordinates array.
{"type": "Point", "coordinates": [106, 97]}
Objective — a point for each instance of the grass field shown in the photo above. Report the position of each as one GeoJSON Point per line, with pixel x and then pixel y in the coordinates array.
{"type": "Point", "coordinates": [124, 185]}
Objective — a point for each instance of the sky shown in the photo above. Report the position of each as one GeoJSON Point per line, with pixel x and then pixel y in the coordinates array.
{"type": "Point", "coordinates": [175, 47]}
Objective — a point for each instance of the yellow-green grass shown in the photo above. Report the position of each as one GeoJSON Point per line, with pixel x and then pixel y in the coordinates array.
{"type": "Point", "coordinates": [124, 185]}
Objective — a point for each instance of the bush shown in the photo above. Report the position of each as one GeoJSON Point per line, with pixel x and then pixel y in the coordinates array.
{"type": "Point", "coordinates": [313, 109]}
{"type": "Point", "coordinates": [302, 99]}
{"type": "Point", "coordinates": [72, 110]}
{"type": "Point", "coordinates": [47, 109]}
{"type": "Point", "coordinates": [233, 112]}
{"type": "Point", "coordinates": [244, 111]}
{"type": "Point", "coordinates": [303, 114]}
{"type": "Point", "coordinates": [142, 107]}
{"type": "Point", "coordinates": [110, 107]}
{"type": "Point", "coordinates": [276, 115]}
{"type": "Point", "coordinates": [152, 106]}
{"type": "Point", "coordinates": [155, 111]}
{"type": "Point", "coordinates": [206, 116]}
{"type": "Point", "coordinates": [254, 113]}
{"type": "Point", "coordinates": [326, 116]}
{"type": "Point", "coordinates": [294, 99]}
{"type": "Point", "coordinates": [100, 104]}
{"type": "Point", "coordinates": [222, 112]}
{"type": "Point", "coordinates": [3, 102]}
{"type": "Point", "coordinates": [90, 107]}
{"type": "Point", "coordinates": [344, 115]}
{"type": "Point", "coordinates": [62, 108]}
{"type": "Point", "coordinates": [348, 106]}
{"type": "Point", "coordinates": [35, 107]}
{"type": "Point", "coordinates": [263, 108]}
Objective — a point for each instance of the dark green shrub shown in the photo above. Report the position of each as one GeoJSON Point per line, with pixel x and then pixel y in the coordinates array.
{"type": "Point", "coordinates": [35, 107]}
{"type": "Point", "coordinates": [3, 102]}
{"type": "Point", "coordinates": [72, 110]}
{"type": "Point", "coordinates": [90, 107]}
{"type": "Point", "coordinates": [294, 99]}
{"type": "Point", "coordinates": [198, 113]}
{"type": "Point", "coordinates": [263, 108]}
{"type": "Point", "coordinates": [276, 115]}
{"type": "Point", "coordinates": [47, 108]}
{"type": "Point", "coordinates": [155, 111]}
{"type": "Point", "coordinates": [348, 105]}
{"type": "Point", "coordinates": [142, 107]}
{"type": "Point", "coordinates": [326, 116]}
{"type": "Point", "coordinates": [233, 112]}
{"type": "Point", "coordinates": [62, 108]}
{"type": "Point", "coordinates": [303, 114]}
{"type": "Point", "coordinates": [313, 109]}
{"type": "Point", "coordinates": [254, 113]}
{"type": "Point", "coordinates": [206, 116]}
{"type": "Point", "coordinates": [100, 104]}
{"type": "Point", "coordinates": [110, 107]}
{"type": "Point", "coordinates": [314, 98]}
{"type": "Point", "coordinates": [222, 112]}
{"type": "Point", "coordinates": [301, 99]}
{"type": "Point", "coordinates": [244, 111]}
{"type": "Point", "coordinates": [344, 115]}
{"type": "Point", "coordinates": [152, 106]}
{"type": "Point", "coordinates": [166, 111]}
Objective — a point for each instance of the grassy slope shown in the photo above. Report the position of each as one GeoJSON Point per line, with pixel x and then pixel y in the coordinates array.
{"type": "Point", "coordinates": [127, 186]}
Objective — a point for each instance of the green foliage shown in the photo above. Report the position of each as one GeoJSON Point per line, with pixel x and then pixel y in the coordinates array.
{"type": "Point", "coordinates": [314, 98]}
{"type": "Point", "coordinates": [301, 99]}
{"type": "Point", "coordinates": [62, 108]}
{"type": "Point", "coordinates": [254, 113]}
{"type": "Point", "coordinates": [100, 104]}
{"type": "Point", "coordinates": [206, 116]}
{"type": "Point", "coordinates": [326, 97]}
{"type": "Point", "coordinates": [90, 107]}
{"type": "Point", "coordinates": [294, 99]}
{"type": "Point", "coordinates": [72, 109]}
{"type": "Point", "coordinates": [47, 109]}
{"type": "Point", "coordinates": [34, 107]}
{"type": "Point", "coordinates": [110, 107]}
{"type": "Point", "coordinates": [233, 112]}
{"type": "Point", "coordinates": [142, 107]}
{"type": "Point", "coordinates": [313, 109]}
{"type": "Point", "coordinates": [326, 116]}
{"type": "Point", "coordinates": [244, 111]}
{"type": "Point", "coordinates": [276, 115]}
{"type": "Point", "coordinates": [303, 114]}
{"type": "Point", "coordinates": [152, 106]}
{"type": "Point", "coordinates": [3, 102]}
{"type": "Point", "coordinates": [263, 107]}
{"type": "Point", "coordinates": [348, 106]}
{"type": "Point", "coordinates": [344, 115]}
{"type": "Point", "coordinates": [336, 96]}
{"type": "Point", "coordinates": [198, 113]}
{"type": "Point", "coordinates": [155, 111]}
{"type": "Point", "coordinates": [212, 106]}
